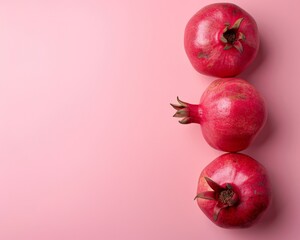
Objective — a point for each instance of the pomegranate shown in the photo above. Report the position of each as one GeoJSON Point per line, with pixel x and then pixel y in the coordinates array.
{"type": "Point", "coordinates": [221, 40]}
{"type": "Point", "coordinates": [234, 191]}
{"type": "Point", "coordinates": [231, 113]}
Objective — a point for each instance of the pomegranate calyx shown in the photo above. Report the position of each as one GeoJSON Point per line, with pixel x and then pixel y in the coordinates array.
{"type": "Point", "coordinates": [190, 113]}
{"type": "Point", "coordinates": [231, 36]}
{"type": "Point", "coordinates": [224, 196]}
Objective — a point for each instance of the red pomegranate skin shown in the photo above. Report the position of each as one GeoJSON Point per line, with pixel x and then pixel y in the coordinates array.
{"type": "Point", "coordinates": [249, 181]}
{"type": "Point", "coordinates": [221, 40]}
{"type": "Point", "coordinates": [231, 114]}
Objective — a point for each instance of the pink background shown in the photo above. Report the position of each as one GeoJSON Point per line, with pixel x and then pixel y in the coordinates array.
{"type": "Point", "coordinates": [88, 145]}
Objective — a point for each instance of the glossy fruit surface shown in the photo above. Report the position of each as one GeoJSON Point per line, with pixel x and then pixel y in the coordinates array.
{"type": "Point", "coordinates": [221, 40]}
{"type": "Point", "coordinates": [231, 114]}
{"type": "Point", "coordinates": [234, 191]}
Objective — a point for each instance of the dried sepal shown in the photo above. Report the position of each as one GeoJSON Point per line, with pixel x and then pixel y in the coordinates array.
{"type": "Point", "coordinates": [177, 107]}
{"type": "Point", "coordinates": [223, 39]}
{"type": "Point", "coordinates": [185, 120]}
{"type": "Point", "coordinates": [237, 23]}
{"type": "Point", "coordinates": [217, 209]}
{"type": "Point", "coordinates": [181, 113]}
{"type": "Point", "coordinates": [215, 186]}
{"type": "Point", "coordinates": [242, 36]}
{"type": "Point", "coordinates": [227, 46]}
{"type": "Point", "coordinates": [182, 103]}
{"type": "Point", "coordinates": [209, 195]}
{"type": "Point", "coordinates": [238, 45]}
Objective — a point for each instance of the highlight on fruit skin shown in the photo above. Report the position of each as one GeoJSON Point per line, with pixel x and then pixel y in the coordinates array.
{"type": "Point", "coordinates": [234, 191]}
{"type": "Point", "coordinates": [231, 114]}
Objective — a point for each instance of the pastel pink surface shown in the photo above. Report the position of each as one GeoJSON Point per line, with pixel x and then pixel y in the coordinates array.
{"type": "Point", "coordinates": [88, 147]}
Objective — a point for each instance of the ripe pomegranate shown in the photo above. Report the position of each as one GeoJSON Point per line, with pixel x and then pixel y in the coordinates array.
{"type": "Point", "coordinates": [221, 40]}
{"type": "Point", "coordinates": [231, 113]}
{"type": "Point", "coordinates": [234, 191]}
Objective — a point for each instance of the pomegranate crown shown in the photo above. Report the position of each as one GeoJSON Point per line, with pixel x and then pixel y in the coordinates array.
{"type": "Point", "coordinates": [224, 196]}
{"type": "Point", "coordinates": [190, 113]}
{"type": "Point", "coordinates": [232, 36]}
